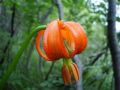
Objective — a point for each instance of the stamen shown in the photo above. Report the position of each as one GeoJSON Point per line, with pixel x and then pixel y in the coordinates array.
{"type": "Point", "coordinates": [68, 47]}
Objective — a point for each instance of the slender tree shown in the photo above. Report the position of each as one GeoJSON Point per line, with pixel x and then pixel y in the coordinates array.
{"type": "Point", "coordinates": [12, 31]}
{"type": "Point", "coordinates": [78, 85]}
{"type": "Point", "coordinates": [113, 42]}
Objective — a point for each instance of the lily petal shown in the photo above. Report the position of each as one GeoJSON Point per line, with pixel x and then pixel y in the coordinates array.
{"type": "Point", "coordinates": [66, 75]}
{"type": "Point", "coordinates": [37, 41]}
{"type": "Point", "coordinates": [80, 36]}
{"type": "Point", "coordinates": [76, 72]}
{"type": "Point", "coordinates": [84, 36]}
{"type": "Point", "coordinates": [69, 40]}
{"type": "Point", "coordinates": [53, 42]}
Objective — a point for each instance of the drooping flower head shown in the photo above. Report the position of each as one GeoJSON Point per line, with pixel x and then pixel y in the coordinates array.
{"type": "Point", "coordinates": [62, 40]}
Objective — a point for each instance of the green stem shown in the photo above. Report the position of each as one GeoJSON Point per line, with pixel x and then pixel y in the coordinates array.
{"type": "Point", "coordinates": [67, 61]}
{"type": "Point", "coordinates": [15, 60]}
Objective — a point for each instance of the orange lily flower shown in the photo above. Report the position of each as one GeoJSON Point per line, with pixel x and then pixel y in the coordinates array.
{"type": "Point", "coordinates": [70, 72]}
{"type": "Point", "coordinates": [61, 40]}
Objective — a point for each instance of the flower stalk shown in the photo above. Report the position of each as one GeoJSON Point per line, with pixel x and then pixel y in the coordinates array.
{"type": "Point", "coordinates": [15, 60]}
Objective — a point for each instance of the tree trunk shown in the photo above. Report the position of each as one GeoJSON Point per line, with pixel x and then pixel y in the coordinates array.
{"type": "Point", "coordinates": [79, 85]}
{"type": "Point", "coordinates": [113, 42]}
{"type": "Point", "coordinates": [11, 32]}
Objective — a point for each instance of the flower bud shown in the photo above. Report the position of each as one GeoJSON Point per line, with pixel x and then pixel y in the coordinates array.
{"type": "Point", "coordinates": [70, 72]}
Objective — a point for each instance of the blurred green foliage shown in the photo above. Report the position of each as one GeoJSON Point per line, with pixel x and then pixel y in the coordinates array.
{"type": "Point", "coordinates": [31, 71]}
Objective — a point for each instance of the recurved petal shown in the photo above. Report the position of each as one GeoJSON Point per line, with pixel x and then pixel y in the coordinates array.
{"type": "Point", "coordinates": [53, 42]}
{"type": "Point", "coordinates": [37, 43]}
{"type": "Point", "coordinates": [66, 75]}
{"type": "Point", "coordinates": [84, 35]}
{"type": "Point", "coordinates": [79, 34]}
{"type": "Point", "coordinates": [75, 71]}
{"type": "Point", "coordinates": [69, 40]}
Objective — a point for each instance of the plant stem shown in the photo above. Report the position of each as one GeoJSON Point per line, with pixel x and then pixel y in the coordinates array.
{"type": "Point", "coordinates": [50, 70]}
{"type": "Point", "coordinates": [67, 61]}
{"type": "Point", "coordinates": [15, 60]}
